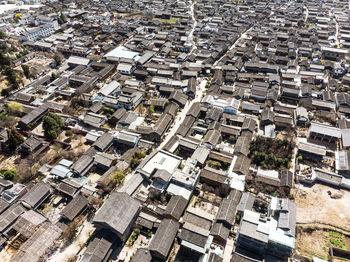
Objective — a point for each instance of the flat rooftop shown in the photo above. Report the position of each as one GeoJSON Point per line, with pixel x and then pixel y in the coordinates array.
{"type": "Point", "coordinates": [162, 160]}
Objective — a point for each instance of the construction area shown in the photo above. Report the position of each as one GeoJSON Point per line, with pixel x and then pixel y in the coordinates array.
{"type": "Point", "coordinates": [323, 220]}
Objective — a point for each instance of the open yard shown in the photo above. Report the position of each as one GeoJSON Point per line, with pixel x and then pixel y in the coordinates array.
{"type": "Point", "coordinates": [271, 153]}
{"type": "Point", "coordinates": [318, 242]}
{"type": "Point", "coordinates": [172, 20]}
{"type": "Point", "coordinates": [323, 204]}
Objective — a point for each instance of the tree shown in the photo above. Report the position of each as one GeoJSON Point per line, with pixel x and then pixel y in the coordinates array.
{"type": "Point", "coordinates": [26, 71]}
{"type": "Point", "coordinates": [8, 121]}
{"type": "Point", "coordinates": [53, 76]}
{"type": "Point", "coordinates": [72, 229]}
{"type": "Point", "coordinates": [3, 35]}
{"type": "Point", "coordinates": [61, 19]}
{"type": "Point", "coordinates": [5, 60]}
{"type": "Point", "coordinates": [52, 123]}
{"type": "Point", "coordinates": [12, 77]}
{"type": "Point", "coordinates": [118, 178]}
{"type": "Point", "coordinates": [9, 174]}
{"type": "Point", "coordinates": [14, 138]}
{"type": "Point", "coordinates": [5, 91]}
{"type": "Point", "coordinates": [14, 108]}
{"type": "Point", "coordinates": [69, 133]}
{"type": "Point", "coordinates": [58, 59]}
{"type": "Point", "coordinates": [16, 17]}
{"type": "Point", "coordinates": [214, 164]}
{"type": "Point", "coordinates": [151, 109]}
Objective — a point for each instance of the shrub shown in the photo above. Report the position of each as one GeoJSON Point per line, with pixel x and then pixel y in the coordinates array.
{"type": "Point", "coordinates": [14, 108]}
{"type": "Point", "coordinates": [52, 123]}
{"type": "Point", "coordinates": [9, 174]}
{"type": "Point", "coordinates": [118, 178]}
{"type": "Point", "coordinates": [5, 91]}
{"type": "Point", "coordinates": [271, 153]}
{"type": "Point", "coordinates": [15, 138]}
{"type": "Point", "coordinates": [69, 133]}
{"type": "Point", "coordinates": [215, 164]}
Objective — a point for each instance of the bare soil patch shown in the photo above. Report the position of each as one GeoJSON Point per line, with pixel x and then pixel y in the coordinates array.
{"type": "Point", "coordinates": [322, 204]}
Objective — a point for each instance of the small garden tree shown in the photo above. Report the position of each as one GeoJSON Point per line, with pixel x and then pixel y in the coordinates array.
{"type": "Point", "coordinates": [9, 174]}
{"type": "Point", "coordinates": [58, 59]}
{"type": "Point", "coordinates": [14, 108]}
{"type": "Point", "coordinates": [52, 123]}
{"type": "Point", "coordinates": [26, 71]}
{"type": "Point", "coordinates": [118, 178]}
{"type": "Point", "coordinates": [14, 138]}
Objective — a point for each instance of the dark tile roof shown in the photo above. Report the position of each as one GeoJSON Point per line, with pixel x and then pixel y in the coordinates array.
{"type": "Point", "coordinates": [163, 240]}
{"type": "Point", "coordinates": [35, 114]}
{"type": "Point", "coordinates": [228, 208]}
{"type": "Point", "coordinates": [194, 110]}
{"type": "Point", "coordinates": [117, 213]}
{"type": "Point", "coordinates": [220, 230]}
{"type": "Point", "coordinates": [212, 137]}
{"type": "Point", "coordinates": [286, 178]}
{"type": "Point", "coordinates": [74, 207]}
{"type": "Point", "coordinates": [83, 164]}
{"type": "Point", "coordinates": [243, 142]}
{"type": "Point", "coordinates": [8, 217]}
{"type": "Point", "coordinates": [103, 142]}
{"type": "Point", "coordinates": [99, 248]}
{"type": "Point", "coordinates": [176, 207]}
{"type": "Point", "coordinates": [37, 194]}
{"type": "Point", "coordinates": [142, 255]}
{"type": "Point", "coordinates": [242, 165]}
{"type": "Point", "coordinates": [246, 202]}
{"type": "Point", "coordinates": [214, 258]}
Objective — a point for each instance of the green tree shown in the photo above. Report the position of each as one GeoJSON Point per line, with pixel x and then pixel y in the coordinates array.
{"type": "Point", "coordinates": [52, 123]}
{"type": "Point", "coordinates": [58, 59]}
{"type": "Point", "coordinates": [60, 21]}
{"type": "Point", "coordinates": [51, 134]}
{"type": "Point", "coordinates": [5, 92]}
{"type": "Point", "coordinates": [118, 178]}
{"type": "Point", "coordinates": [3, 35]}
{"type": "Point", "coordinates": [9, 174]}
{"type": "Point", "coordinates": [16, 17]}
{"type": "Point", "coordinates": [5, 60]}
{"type": "Point", "coordinates": [12, 77]}
{"type": "Point", "coordinates": [151, 109]}
{"type": "Point", "coordinates": [26, 71]}
{"type": "Point", "coordinates": [8, 122]}
{"type": "Point", "coordinates": [53, 76]}
{"type": "Point", "coordinates": [214, 164]}
{"type": "Point", "coordinates": [14, 138]}
{"type": "Point", "coordinates": [69, 133]}
{"type": "Point", "coordinates": [14, 108]}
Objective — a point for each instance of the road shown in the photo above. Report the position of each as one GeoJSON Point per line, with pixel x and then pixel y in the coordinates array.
{"type": "Point", "coordinates": [242, 36]}
{"type": "Point", "coordinates": [200, 87]}
{"type": "Point", "coordinates": [63, 254]}
{"type": "Point", "coordinates": [306, 13]}
{"type": "Point", "coordinates": [190, 36]}
{"type": "Point", "coordinates": [181, 116]}
{"type": "Point", "coordinates": [200, 90]}
{"type": "Point", "coordinates": [228, 249]}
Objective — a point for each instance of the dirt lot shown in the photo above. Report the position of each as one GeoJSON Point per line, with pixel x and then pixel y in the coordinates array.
{"type": "Point", "coordinates": [8, 162]}
{"type": "Point", "coordinates": [317, 243]}
{"type": "Point", "coordinates": [314, 204]}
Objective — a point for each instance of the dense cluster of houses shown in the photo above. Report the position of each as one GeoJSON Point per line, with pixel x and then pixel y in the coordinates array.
{"type": "Point", "coordinates": [181, 89]}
